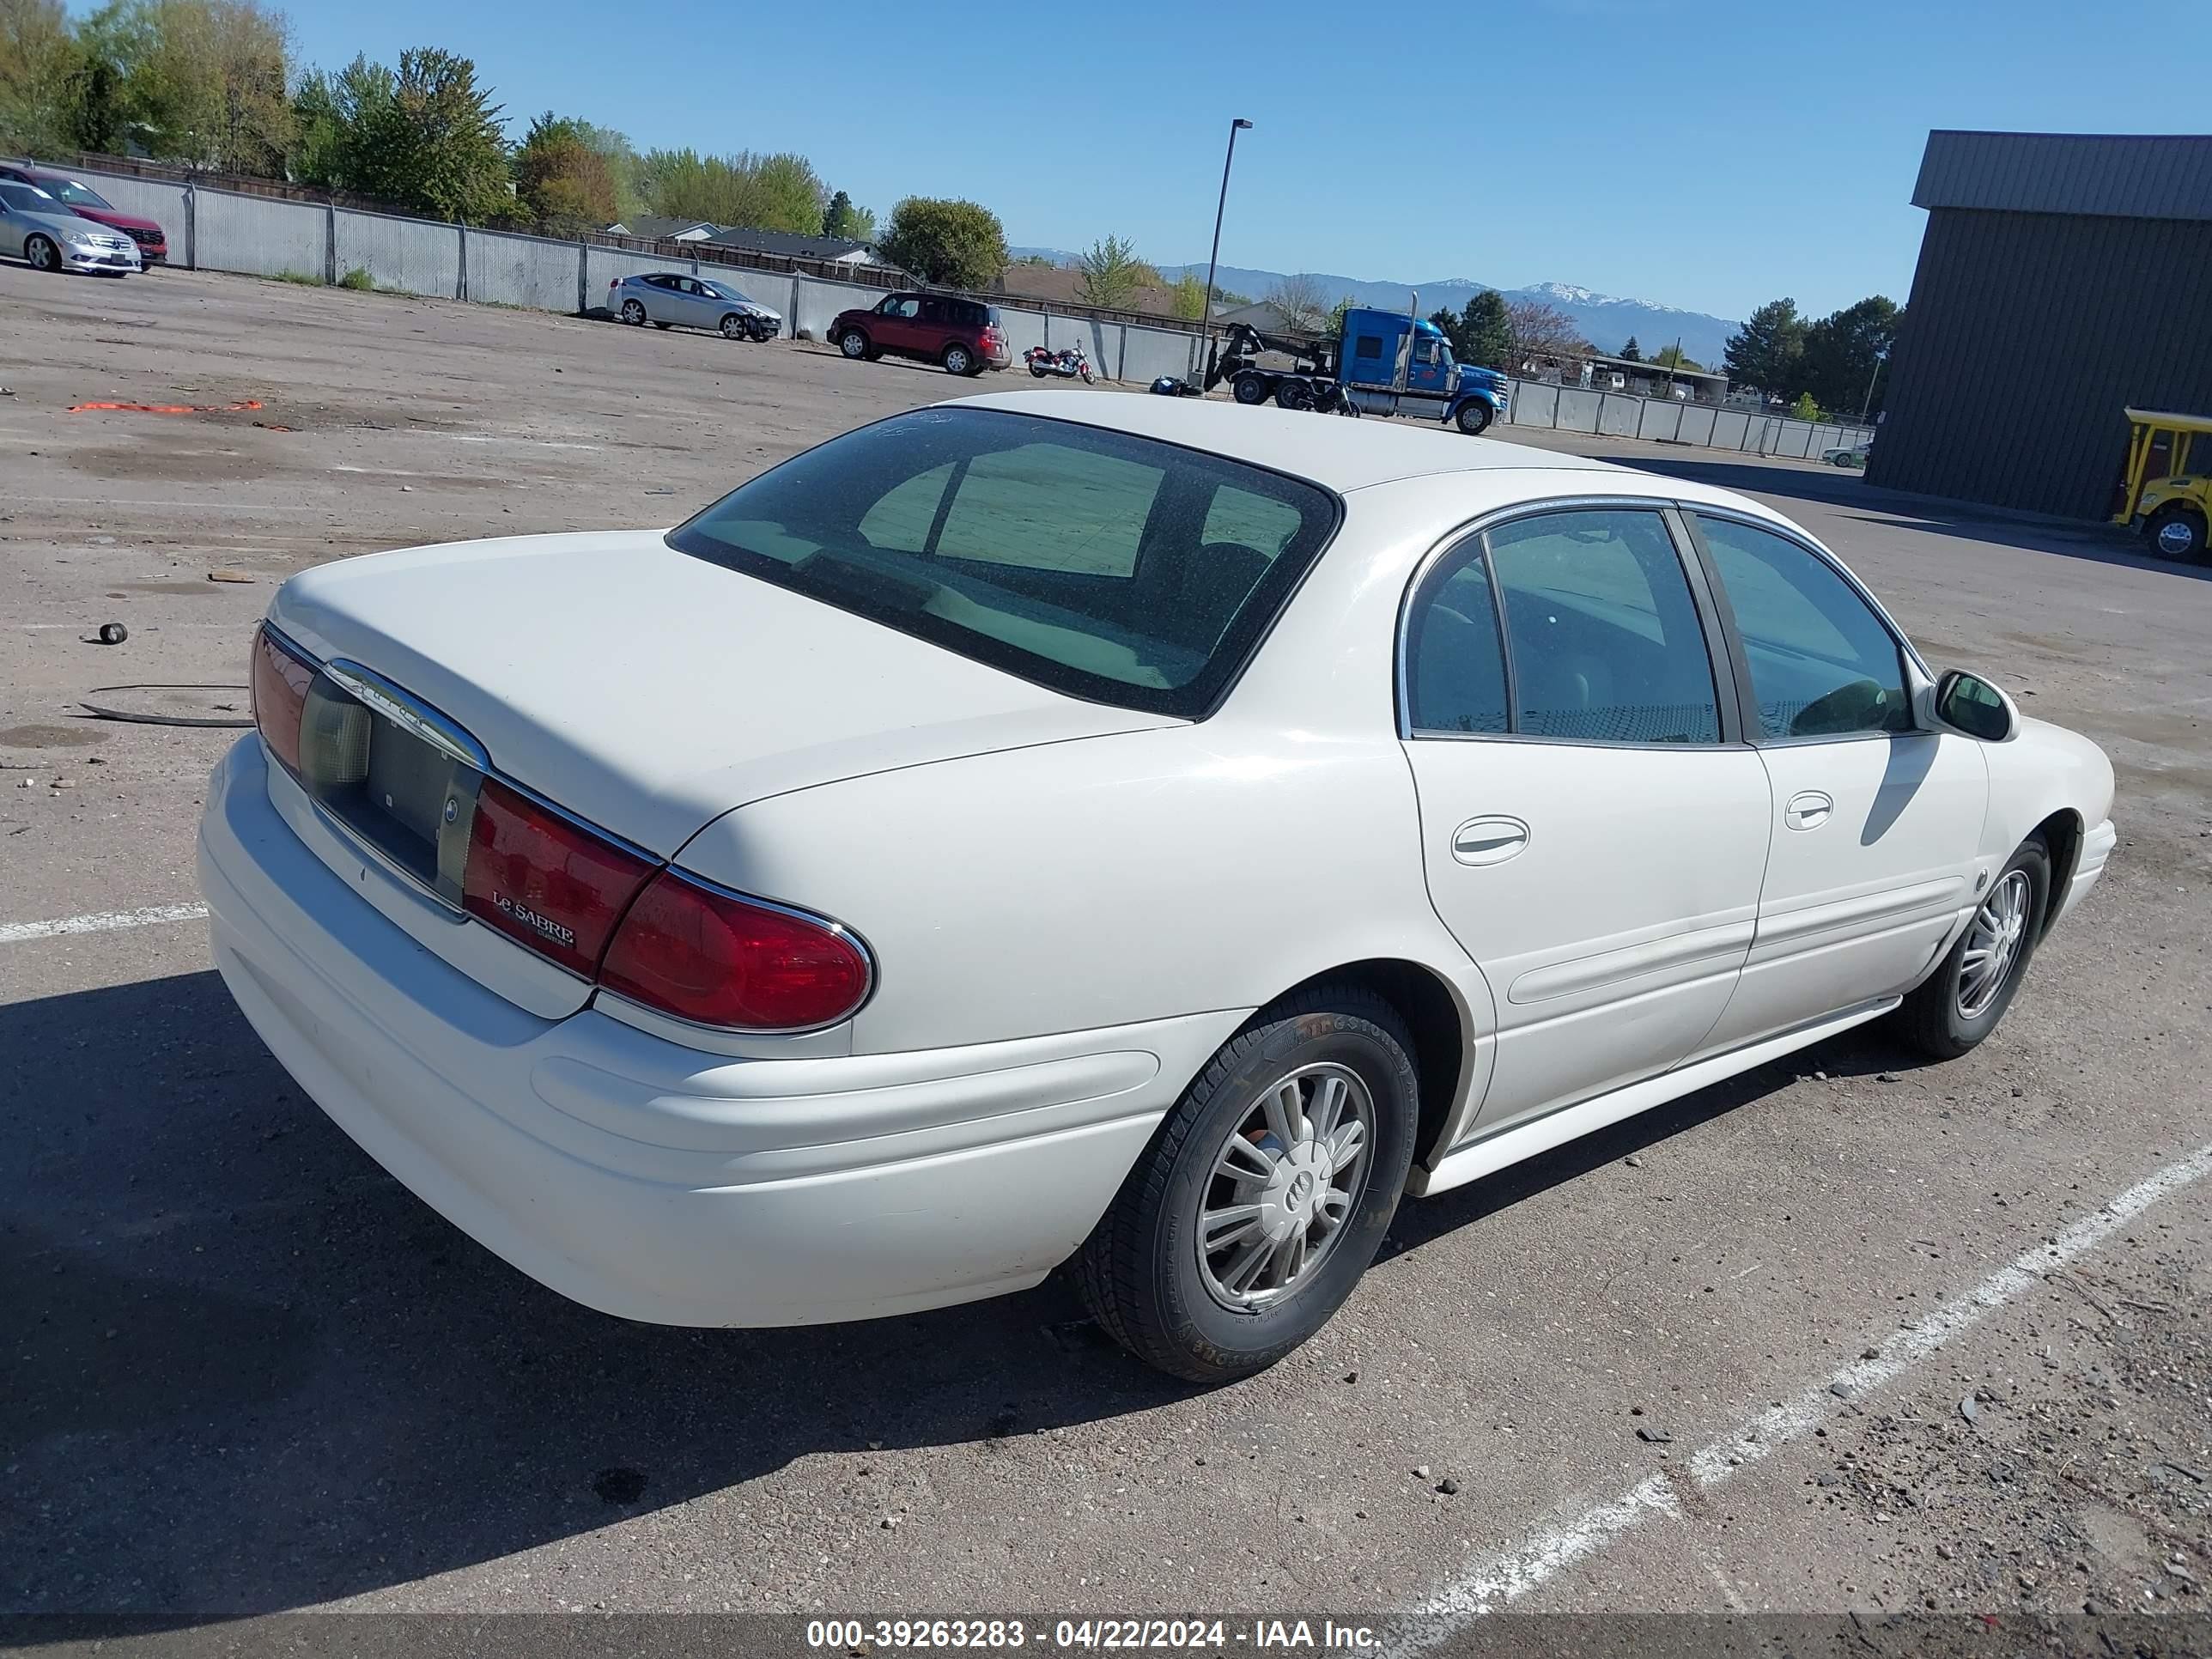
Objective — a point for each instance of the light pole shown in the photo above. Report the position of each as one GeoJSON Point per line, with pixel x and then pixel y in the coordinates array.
{"type": "Point", "coordinates": [1880, 359]}
{"type": "Point", "coordinates": [1213, 259]}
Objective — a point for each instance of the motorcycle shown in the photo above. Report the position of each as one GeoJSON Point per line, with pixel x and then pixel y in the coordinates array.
{"type": "Point", "coordinates": [1068, 364]}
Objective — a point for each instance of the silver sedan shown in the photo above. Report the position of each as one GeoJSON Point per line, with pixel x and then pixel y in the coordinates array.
{"type": "Point", "coordinates": [35, 228]}
{"type": "Point", "coordinates": [670, 300]}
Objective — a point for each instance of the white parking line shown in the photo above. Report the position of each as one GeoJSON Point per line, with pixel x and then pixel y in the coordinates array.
{"type": "Point", "coordinates": [1543, 1554]}
{"type": "Point", "coordinates": [101, 921]}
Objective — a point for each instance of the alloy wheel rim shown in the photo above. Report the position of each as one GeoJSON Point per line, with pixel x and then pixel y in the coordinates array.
{"type": "Point", "coordinates": [1993, 944]}
{"type": "Point", "coordinates": [42, 255]}
{"type": "Point", "coordinates": [1283, 1187]}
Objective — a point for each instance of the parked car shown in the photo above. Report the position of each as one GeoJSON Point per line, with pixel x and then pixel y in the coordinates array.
{"type": "Point", "coordinates": [963, 335]}
{"type": "Point", "coordinates": [36, 228]}
{"type": "Point", "coordinates": [1848, 455]}
{"type": "Point", "coordinates": [670, 300]}
{"type": "Point", "coordinates": [1136, 829]}
{"type": "Point", "coordinates": [79, 198]}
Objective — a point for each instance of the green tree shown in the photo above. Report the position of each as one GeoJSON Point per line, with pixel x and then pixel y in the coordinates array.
{"type": "Point", "coordinates": [1805, 409]}
{"type": "Point", "coordinates": [435, 145]}
{"type": "Point", "coordinates": [1842, 350]}
{"type": "Point", "coordinates": [1188, 298]}
{"type": "Point", "coordinates": [954, 243]}
{"type": "Point", "coordinates": [1768, 350]}
{"type": "Point", "coordinates": [1631, 353]}
{"type": "Point", "coordinates": [1670, 356]}
{"type": "Point", "coordinates": [842, 218]}
{"type": "Point", "coordinates": [1485, 336]}
{"type": "Point", "coordinates": [779, 191]}
{"type": "Point", "coordinates": [39, 65]}
{"type": "Point", "coordinates": [1450, 322]}
{"type": "Point", "coordinates": [1112, 273]}
{"type": "Point", "coordinates": [197, 81]}
{"type": "Point", "coordinates": [564, 183]}
{"type": "Point", "coordinates": [331, 117]}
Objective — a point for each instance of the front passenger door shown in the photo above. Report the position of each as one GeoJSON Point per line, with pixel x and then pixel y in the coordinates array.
{"type": "Point", "coordinates": [1877, 823]}
{"type": "Point", "coordinates": [1593, 828]}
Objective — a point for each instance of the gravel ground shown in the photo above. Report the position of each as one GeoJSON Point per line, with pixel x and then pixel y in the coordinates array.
{"type": "Point", "coordinates": [247, 1373]}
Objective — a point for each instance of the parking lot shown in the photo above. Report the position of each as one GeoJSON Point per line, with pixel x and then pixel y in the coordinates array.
{"type": "Point", "coordinates": [1798, 1344]}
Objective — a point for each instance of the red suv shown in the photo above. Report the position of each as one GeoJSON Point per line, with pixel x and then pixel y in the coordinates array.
{"type": "Point", "coordinates": [88, 203]}
{"type": "Point", "coordinates": [962, 334]}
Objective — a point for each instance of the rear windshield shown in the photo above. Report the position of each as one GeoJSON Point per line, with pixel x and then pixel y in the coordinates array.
{"type": "Point", "coordinates": [1107, 566]}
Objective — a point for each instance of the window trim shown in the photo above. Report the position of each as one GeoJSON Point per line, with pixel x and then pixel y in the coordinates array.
{"type": "Point", "coordinates": [1727, 693]}
{"type": "Point", "coordinates": [1909, 657]}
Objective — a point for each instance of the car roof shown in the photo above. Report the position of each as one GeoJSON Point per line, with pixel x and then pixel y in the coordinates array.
{"type": "Point", "coordinates": [1339, 454]}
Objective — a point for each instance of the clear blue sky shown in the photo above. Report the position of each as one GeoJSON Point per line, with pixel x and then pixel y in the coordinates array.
{"type": "Point", "coordinates": [1711, 155]}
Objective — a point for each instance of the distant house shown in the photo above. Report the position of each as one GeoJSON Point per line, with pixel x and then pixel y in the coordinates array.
{"type": "Point", "coordinates": [788, 245]}
{"type": "Point", "coordinates": [1259, 315]}
{"type": "Point", "coordinates": [655, 229]}
{"type": "Point", "coordinates": [1062, 285]}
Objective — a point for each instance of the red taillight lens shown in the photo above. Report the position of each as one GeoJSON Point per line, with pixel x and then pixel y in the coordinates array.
{"type": "Point", "coordinates": [280, 681]}
{"type": "Point", "coordinates": [709, 957]}
{"type": "Point", "coordinates": [542, 879]}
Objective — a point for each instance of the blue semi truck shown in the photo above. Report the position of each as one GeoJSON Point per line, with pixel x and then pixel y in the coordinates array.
{"type": "Point", "coordinates": [1385, 362]}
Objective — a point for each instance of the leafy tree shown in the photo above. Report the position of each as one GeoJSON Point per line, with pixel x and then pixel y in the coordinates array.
{"type": "Point", "coordinates": [434, 145]}
{"type": "Point", "coordinates": [1298, 300]}
{"type": "Point", "coordinates": [953, 243]}
{"type": "Point", "coordinates": [1805, 409]}
{"type": "Point", "coordinates": [330, 119]}
{"type": "Point", "coordinates": [197, 81]}
{"type": "Point", "coordinates": [1188, 298]}
{"type": "Point", "coordinates": [842, 218]}
{"type": "Point", "coordinates": [1453, 325]}
{"type": "Point", "coordinates": [1670, 356]}
{"type": "Point", "coordinates": [1631, 353]}
{"type": "Point", "coordinates": [1112, 273]}
{"type": "Point", "coordinates": [779, 191]}
{"type": "Point", "coordinates": [1485, 331]}
{"type": "Point", "coordinates": [1767, 351]}
{"type": "Point", "coordinates": [39, 65]}
{"type": "Point", "coordinates": [1842, 351]}
{"type": "Point", "coordinates": [565, 185]}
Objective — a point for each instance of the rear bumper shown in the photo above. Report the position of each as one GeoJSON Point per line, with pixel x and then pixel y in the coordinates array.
{"type": "Point", "coordinates": [658, 1182]}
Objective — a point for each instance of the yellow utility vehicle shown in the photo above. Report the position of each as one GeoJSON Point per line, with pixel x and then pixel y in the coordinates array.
{"type": "Point", "coordinates": [2167, 493]}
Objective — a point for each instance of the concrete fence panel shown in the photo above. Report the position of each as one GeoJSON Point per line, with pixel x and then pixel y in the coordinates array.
{"type": "Point", "coordinates": [1728, 428]}
{"type": "Point", "coordinates": [1146, 353]}
{"type": "Point", "coordinates": [1660, 421]}
{"type": "Point", "coordinates": [534, 271]}
{"type": "Point", "coordinates": [1024, 329]}
{"type": "Point", "coordinates": [1532, 403]}
{"type": "Point", "coordinates": [1794, 440]}
{"type": "Point", "coordinates": [412, 256]}
{"type": "Point", "coordinates": [1617, 415]}
{"type": "Point", "coordinates": [1579, 408]}
{"type": "Point", "coordinates": [1697, 423]}
{"type": "Point", "coordinates": [259, 235]}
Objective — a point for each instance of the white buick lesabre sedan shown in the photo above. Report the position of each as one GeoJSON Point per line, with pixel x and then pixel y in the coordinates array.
{"type": "Point", "coordinates": [1149, 831]}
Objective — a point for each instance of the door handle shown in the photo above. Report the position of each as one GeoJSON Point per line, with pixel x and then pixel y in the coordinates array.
{"type": "Point", "coordinates": [1489, 841]}
{"type": "Point", "coordinates": [1808, 809]}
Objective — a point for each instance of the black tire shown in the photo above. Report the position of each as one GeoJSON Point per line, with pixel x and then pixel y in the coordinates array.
{"type": "Point", "coordinates": [1931, 1018]}
{"type": "Point", "coordinates": [633, 313]}
{"type": "Point", "coordinates": [1139, 1271]}
{"type": "Point", "coordinates": [1249, 387]}
{"type": "Point", "coordinates": [854, 344]}
{"type": "Point", "coordinates": [733, 327]}
{"type": "Point", "coordinates": [961, 360]}
{"type": "Point", "coordinates": [762, 331]}
{"type": "Point", "coordinates": [1294, 394]}
{"type": "Point", "coordinates": [42, 254]}
{"type": "Point", "coordinates": [2176, 531]}
{"type": "Point", "coordinates": [656, 323]}
{"type": "Point", "coordinates": [1473, 417]}
{"type": "Point", "coordinates": [1036, 374]}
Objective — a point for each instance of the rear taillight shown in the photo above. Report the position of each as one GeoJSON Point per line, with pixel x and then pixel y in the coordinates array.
{"type": "Point", "coordinates": [281, 678]}
{"type": "Point", "coordinates": [545, 879]}
{"type": "Point", "coordinates": [710, 957]}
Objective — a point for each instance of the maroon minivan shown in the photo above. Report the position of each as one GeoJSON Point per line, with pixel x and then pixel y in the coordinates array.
{"type": "Point", "coordinates": [88, 203]}
{"type": "Point", "coordinates": [963, 335]}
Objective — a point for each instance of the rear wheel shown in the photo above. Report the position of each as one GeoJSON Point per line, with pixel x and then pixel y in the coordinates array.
{"type": "Point", "coordinates": [633, 313]}
{"type": "Point", "coordinates": [958, 359]}
{"type": "Point", "coordinates": [1960, 1003]}
{"type": "Point", "coordinates": [1264, 1195]}
{"type": "Point", "coordinates": [1249, 387]}
{"type": "Point", "coordinates": [42, 254]}
{"type": "Point", "coordinates": [2177, 531]}
{"type": "Point", "coordinates": [1473, 417]}
{"type": "Point", "coordinates": [853, 343]}
{"type": "Point", "coordinates": [1293, 394]}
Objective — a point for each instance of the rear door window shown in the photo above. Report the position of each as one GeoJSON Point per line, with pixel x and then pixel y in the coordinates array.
{"type": "Point", "coordinates": [1105, 565]}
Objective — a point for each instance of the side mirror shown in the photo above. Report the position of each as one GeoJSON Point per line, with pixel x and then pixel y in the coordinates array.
{"type": "Point", "coordinates": [1967, 703]}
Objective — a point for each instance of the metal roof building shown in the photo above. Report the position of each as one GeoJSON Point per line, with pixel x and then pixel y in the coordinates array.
{"type": "Point", "coordinates": [2062, 277]}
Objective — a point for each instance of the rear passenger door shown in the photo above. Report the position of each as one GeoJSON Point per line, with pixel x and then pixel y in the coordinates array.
{"type": "Point", "coordinates": [1593, 826]}
{"type": "Point", "coordinates": [1877, 824]}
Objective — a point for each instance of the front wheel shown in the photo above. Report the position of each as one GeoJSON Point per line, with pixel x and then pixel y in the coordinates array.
{"type": "Point", "coordinates": [1473, 417]}
{"type": "Point", "coordinates": [1960, 1003]}
{"type": "Point", "coordinates": [42, 254]}
{"type": "Point", "coordinates": [1265, 1193]}
{"type": "Point", "coordinates": [733, 327]}
{"type": "Point", "coordinates": [2177, 531]}
{"type": "Point", "coordinates": [853, 343]}
{"type": "Point", "coordinates": [1084, 371]}
{"type": "Point", "coordinates": [1249, 387]}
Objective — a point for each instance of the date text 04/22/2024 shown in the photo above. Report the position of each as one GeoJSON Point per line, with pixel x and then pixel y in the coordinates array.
{"type": "Point", "coordinates": [1092, 1634]}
